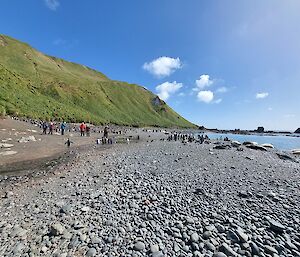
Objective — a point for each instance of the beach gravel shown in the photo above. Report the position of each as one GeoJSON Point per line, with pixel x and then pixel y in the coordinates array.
{"type": "Point", "coordinates": [156, 199]}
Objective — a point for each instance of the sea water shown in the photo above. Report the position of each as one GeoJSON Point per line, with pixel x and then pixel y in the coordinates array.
{"type": "Point", "coordinates": [281, 142]}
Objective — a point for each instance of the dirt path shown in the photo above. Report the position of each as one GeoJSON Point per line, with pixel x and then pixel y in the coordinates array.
{"type": "Point", "coordinates": [23, 146]}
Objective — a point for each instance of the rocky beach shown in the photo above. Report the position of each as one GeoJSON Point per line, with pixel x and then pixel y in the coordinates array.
{"type": "Point", "coordinates": [156, 198]}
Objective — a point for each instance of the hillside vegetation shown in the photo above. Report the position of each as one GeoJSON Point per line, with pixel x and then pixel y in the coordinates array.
{"type": "Point", "coordinates": [38, 86]}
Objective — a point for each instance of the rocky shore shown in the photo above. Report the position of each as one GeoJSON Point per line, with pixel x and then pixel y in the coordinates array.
{"type": "Point", "coordinates": [156, 199]}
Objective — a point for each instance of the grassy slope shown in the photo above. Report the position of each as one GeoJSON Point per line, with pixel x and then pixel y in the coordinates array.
{"type": "Point", "coordinates": [39, 86]}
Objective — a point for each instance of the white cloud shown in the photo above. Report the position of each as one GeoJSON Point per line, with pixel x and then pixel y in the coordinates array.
{"type": "Point", "coordinates": [202, 82]}
{"type": "Point", "coordinates": [261, 95]}
{"type": "Point", "coordinates": [270, 109]}
{"type": "Point", "coordinates": [165, 90]}
{"type": "Point", "coordinates": [181, 94]}
{"type": "Point", "coordinates": [218, 101]}
{"type": "Point", "coordinates": [205, 96]}
{"type": "Point", "coordinates": [222, 90]}
{"type": "Point", "coordinates": [163, 66]}
{"type": "Point", "coordinates": [52, 4]}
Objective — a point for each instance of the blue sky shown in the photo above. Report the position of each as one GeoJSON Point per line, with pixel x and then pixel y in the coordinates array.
{"type": "Point", "coordinates": [225, 64]}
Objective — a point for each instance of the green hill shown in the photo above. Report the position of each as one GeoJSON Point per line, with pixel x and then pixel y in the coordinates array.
{"type": "Point", "coordinates": [35, 85]}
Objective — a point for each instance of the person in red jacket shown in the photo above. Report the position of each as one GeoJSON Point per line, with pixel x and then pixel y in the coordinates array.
{"type": "Point", "coordinates": [82, 129]}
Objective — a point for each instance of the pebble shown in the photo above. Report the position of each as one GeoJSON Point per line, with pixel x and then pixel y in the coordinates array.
{"type": "Point", "coordinates": [276, 226]}
{"type": "Point", "coordinates": [194, 237]}
{"type": "Point", "coordinates": [139, 246]}
{"type": "Point", "coordinates": [56, 229]}
{"type": "Point", "coordinates": [219, 254]}
{"type": "Point", "coordinates": [154, 248]}
{"type": "Point", "coordinates": [91, 252]}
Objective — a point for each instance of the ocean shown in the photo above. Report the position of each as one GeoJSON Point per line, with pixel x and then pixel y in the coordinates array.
{"type": "Point", "coordinates": [281, 142]}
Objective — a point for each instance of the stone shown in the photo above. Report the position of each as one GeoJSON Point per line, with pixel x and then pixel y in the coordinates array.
{"type": "Point", "coordinates": [242, 236]}
{"type": "Point", "coordinates": [74, 242]}
{"type": "Point", "coordinates": [18, 248]}
{"type": "Point", "coordinates": [220, 228]}
{"type": "Point", "coordinates": [9, 194]}
{"type": "Point", "coordinates": [210, 246]}
{"type": "Point", "coordinates": [66, 209]}
{"type": "Point", "coordinates": [44, 249]}
{"type": "Point", "coordinates": [276, 226]}
{"type": "Point", "coordinates": [290, 245]}
{"type": "Point", "coordinates": [122, 230]}
{"type": "Point", "coordinates": [186, 248]}
{"type": "Point", "coordinates": [56, 229]}
{"type": "Point", "coordinates": [231, 235]}
{"type": "Point", "coordinates": [176, 247]}
{"type": "Point", "coordinates": [194, 237]}
{"type": "Point", "coordinates": [244, 194]}
{"type": "Point", "coordinates": [270, 250]}
{"type": "Point", "coordinates": [96, 240]}
{"type": "Point", "coordinates": [157, 254]}
{"type": "Point", "coordinates": [207, 234]}
{"type": "Point", "coordinates": [85, 209]}
{"type": "Point", "coordinates": [154, 248]}
{"type": "Point", "coordinates": [254, 248]}
{"type": "Point", "coordinates": [219, 254]}
{"type": "Point", "coordinates": [18, 231]}
{"type": "Point", "coordinates": [225, 248]}
{"type": "Point", "coordinates": [91, 252]}
{"type": "Point", "coordinates": [197, 254]}
{"type": "Point", "coordinates": [139, 246]}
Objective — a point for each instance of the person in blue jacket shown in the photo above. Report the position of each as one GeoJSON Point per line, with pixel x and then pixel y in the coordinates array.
{"type": "Point", "coordinates": [62, 128]}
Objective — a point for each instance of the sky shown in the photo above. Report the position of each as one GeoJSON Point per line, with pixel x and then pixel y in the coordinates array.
{"type": "Point", "coordinates": [221, 64]}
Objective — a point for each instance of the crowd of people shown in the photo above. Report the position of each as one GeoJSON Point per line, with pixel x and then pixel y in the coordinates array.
{"type": "Point", "coordinates": [50, 127]}
{"type": "Point", "coordinates": [53, 127]}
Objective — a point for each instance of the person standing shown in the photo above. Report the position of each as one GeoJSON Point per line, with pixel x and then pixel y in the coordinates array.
{"type": "Point", "coordinates": [44, 126]}
{"type": "Point", "coordinates": [105, 134]}
{"type": "Point", "coordinates": [88, 131]}
{"type": "Point", "coordinates": [62, 128]}
{"type": "Point", "coordinates": [51, 126]}
{"type": "Point", "coordinates": [82, 129]}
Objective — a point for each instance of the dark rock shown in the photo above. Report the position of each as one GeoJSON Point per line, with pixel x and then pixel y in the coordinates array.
{"type": "Point", "coordinates": [233, 236]}
{"type": "Point", "coordinates": [225, 248]}
{"type": "Point", "coordinates": [254, 248]}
